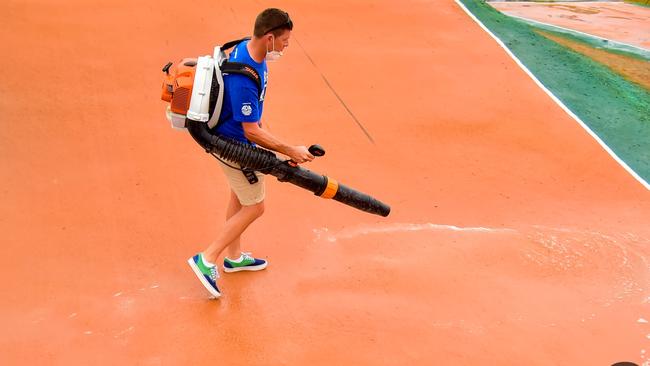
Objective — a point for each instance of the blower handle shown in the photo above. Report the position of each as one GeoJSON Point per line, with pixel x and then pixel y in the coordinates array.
{"type": "Point", "coordinates": [316, 150]}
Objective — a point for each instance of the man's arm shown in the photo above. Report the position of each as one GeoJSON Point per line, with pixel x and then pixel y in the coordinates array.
{"type": "Point", "coordinates": [253, 132]}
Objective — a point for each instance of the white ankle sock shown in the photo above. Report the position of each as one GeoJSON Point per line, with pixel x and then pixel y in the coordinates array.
{"type": "Point", "coordinates": [206, 262]}
{"type": "Point", "coordinates": [238, 260]}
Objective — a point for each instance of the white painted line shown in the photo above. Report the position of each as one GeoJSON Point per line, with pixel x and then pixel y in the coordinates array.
{"type": "Point", "coordinates": [569, 30]}
{"type": "Point", "coordinates": [555, 99]}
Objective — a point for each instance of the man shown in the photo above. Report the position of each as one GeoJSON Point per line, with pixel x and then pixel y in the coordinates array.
{"type": "Point", "coordinates": [241, 120]}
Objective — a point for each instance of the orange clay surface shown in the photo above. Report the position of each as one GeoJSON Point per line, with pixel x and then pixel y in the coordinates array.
{"type": "Point", "coordinates": [514, 238]}
{"type": "Point", "coordinates": [616, 21]}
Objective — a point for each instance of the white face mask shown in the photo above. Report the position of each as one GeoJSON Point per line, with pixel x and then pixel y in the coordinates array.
{"type": "Point", "coordinates": [273, 55]}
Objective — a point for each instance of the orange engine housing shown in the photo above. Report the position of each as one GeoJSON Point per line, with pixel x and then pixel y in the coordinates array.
{"type": "Point", "coordinates": [177, 85]}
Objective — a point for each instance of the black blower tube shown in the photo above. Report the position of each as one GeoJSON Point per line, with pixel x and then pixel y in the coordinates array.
{"type": "Point", "coordinates": [248, 156]}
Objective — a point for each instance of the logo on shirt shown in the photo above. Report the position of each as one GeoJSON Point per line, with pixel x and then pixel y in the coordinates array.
{"type": "Point", "coordinates": [246, 110]}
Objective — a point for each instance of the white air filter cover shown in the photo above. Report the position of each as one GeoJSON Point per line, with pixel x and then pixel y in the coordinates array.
{"type": "Point", "coordinates": [200, 101]}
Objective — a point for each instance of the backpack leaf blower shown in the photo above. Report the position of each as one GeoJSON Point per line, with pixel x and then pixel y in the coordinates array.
{"type": "Point", "coordinates": [194, 88]}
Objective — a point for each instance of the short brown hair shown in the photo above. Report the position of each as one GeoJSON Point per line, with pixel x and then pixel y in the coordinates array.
{"type": "Point", "coordinates": [272, 20]}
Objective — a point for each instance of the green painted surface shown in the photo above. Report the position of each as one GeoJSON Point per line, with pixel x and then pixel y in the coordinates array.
{"type": "Point", "coordinates": [617, 110]}
{"type": "Point", "coordinates": [645, 3]}
{"type": "Point", "coordinates": [636, 2]}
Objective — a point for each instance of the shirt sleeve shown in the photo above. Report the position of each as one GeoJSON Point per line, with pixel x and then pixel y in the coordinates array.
{"type": "Point", "coordinates": [244, 99]}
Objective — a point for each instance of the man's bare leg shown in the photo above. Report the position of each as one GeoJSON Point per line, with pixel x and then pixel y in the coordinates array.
{"type": "Point", "coordinates": [234, 247]}
{"type": "Point", "coordinates": [232, 230]}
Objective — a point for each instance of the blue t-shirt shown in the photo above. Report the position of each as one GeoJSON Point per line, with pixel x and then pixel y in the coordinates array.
{"type": "Point", "coordinates": [242, 102]}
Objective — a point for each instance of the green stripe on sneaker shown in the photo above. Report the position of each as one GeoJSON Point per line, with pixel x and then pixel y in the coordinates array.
{"type": "Point", "coordinates": [205, 269]}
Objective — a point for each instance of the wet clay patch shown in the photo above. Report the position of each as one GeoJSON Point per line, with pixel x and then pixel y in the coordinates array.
{"type": "Point", "coordinates": [635, 70]}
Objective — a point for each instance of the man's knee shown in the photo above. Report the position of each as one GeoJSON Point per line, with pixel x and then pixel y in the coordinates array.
{"type": "Point", "coordinates": [257, 209]}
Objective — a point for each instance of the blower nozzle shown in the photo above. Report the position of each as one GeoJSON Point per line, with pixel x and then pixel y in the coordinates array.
{"type": "Point", "coordinates": [264, 161]}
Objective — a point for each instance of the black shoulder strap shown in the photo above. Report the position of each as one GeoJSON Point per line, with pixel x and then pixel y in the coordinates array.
{"type": "Point", "coordinates": [231, 44]}
{"type": "Point", "coordinates": [228, 67]}
{"type": "Point", "coordinates": [240, 68]}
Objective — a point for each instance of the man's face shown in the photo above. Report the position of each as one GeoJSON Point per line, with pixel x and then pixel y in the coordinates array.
{"type": "Point", "coordinates": [280, 42]}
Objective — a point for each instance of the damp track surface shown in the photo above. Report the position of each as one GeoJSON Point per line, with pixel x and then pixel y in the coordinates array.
{"type": "Point", "coordinates": [513, 238]}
